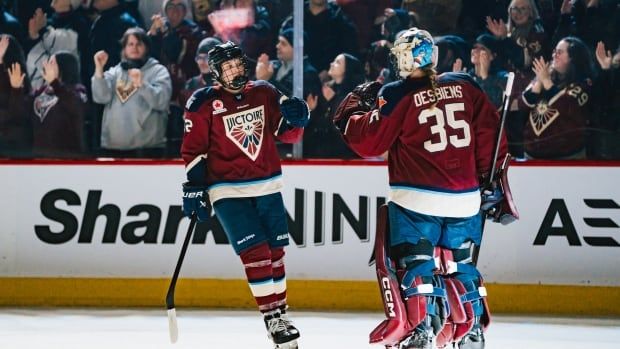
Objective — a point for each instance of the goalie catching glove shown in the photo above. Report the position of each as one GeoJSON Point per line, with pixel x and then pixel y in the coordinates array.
{"type": "Point", "coordinates": [359, 101]}
{"type": "Point", "coordinates": [196, 200]}
{"type": "Point", "coordinates": [294, 111]}
{"type": "Point", "coordinates": [367, 93]}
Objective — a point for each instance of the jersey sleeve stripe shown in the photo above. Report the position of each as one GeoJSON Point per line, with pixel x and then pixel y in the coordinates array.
{"type": "Point", "coordinates": [196, 169]}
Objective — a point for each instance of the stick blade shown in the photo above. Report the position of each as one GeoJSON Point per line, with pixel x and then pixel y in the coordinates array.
{"type": "Point", "coordinates": [172, 325]}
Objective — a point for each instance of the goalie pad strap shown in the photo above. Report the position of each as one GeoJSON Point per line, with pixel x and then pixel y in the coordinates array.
{"type": "Point", "coordinates": [474, 295]}
{"type": "Point", "coordinates": [425, 290]}
{"type": "Point", "coordinates": [463, 268]}
{"type": "Point", "coordinates": [424, 269]}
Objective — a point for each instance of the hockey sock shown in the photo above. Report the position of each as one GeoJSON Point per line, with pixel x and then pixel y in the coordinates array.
{"type": "Point", "coordinates": [259, 272]}
{"type": "Point", "coordinates": [279, 276]}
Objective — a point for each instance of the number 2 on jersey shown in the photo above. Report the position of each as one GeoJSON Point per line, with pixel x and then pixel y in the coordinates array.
{"type": "Point", "coordinates": [439, 128]}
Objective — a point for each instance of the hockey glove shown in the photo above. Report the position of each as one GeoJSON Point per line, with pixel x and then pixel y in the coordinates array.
{"type": "Point", "coordinates": [295, 111]}
{"type": "Point", "coordinates": [196, 200]}
{"type": "Point", "coordinates": [367, 93]}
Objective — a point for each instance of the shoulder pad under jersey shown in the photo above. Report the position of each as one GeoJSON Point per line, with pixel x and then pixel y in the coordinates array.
{"type": "Point", "coordinates": [390, 95]}
{"type": "Point", "coordinates": [199, 97]}
{"type": "Point", "coordinates": [263, 84]}
{"type": "Point", "coordinates": [458, 78]}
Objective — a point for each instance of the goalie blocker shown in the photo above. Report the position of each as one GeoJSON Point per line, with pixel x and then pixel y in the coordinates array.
{"type": "Point", "coordinates": [497, 200]}
{"type": "Point", "coordinates": [406, 298]}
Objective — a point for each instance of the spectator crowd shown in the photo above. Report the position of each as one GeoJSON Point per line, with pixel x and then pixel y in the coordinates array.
{"type": "Point", "coordinates": [110, 78]}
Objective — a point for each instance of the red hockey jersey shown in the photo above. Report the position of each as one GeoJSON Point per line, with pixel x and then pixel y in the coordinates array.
{"type": "Point", "coordinates": [229, 141]}
{"type": "Point", "coordinates": [557, 122]}
{"type": "Point", "coordinates": [436, 152]}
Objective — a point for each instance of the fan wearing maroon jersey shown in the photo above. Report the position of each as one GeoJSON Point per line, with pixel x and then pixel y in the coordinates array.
{"type": "Point", "coordinates": [440, 133]}
{"type": "Point", "coordinates": [229, 149]}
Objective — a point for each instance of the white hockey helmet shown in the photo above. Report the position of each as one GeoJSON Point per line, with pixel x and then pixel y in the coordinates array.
{"type": "Point", "coordinates": [413, 49]}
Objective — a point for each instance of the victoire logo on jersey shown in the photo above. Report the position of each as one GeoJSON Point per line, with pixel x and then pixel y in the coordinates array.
{"type": "Point", "coordinates": [245, 129]}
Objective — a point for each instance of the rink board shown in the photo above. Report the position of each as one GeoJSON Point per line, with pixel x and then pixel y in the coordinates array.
{"type": "Point", "coordinates": [108, 234]}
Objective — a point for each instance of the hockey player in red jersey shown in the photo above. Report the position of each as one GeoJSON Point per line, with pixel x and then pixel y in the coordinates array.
{"type": "Point", "coordinates": [440, 133]}
{"type": "Point", "coordinates": [232, 163]}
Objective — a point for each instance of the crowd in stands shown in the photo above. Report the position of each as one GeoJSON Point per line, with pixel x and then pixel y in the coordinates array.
{"type": "Point", "coordinates": [109, 78]}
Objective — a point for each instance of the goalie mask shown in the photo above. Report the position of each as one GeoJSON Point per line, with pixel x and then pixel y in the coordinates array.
{"type": "Point", "coordinates": [414, 49]}
{"type": "Point", "coordinates": [223, 53]}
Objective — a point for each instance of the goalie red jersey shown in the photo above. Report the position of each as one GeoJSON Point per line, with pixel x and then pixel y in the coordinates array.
{"type": "Point", "coordinates": [436, 146]}
{"type": "Point", "coordinates": [235, 135]}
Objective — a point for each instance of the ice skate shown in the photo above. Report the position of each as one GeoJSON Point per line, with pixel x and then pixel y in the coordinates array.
{"type": "Point", "coordinates": [281, 330]}
{"type": "Point", "coordinates": [288, 322]}
{"type": "Point", "coordinates": [421, 338]}
{"type": "Point", "coordinates": [473, 340]}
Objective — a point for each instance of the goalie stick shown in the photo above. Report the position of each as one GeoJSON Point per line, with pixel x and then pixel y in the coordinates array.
{"type": "Point", "coordinates": [172, 315]}
{"type": "Point", "coordinates": [502, 121]}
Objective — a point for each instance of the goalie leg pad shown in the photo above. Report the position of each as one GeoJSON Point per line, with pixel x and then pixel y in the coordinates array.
{"type": "Point", "coordinates": [424, 291]}
{"type": "Point", "coordinates": [395, 326]}
{"type": "Point", "coordinates": [470, 285]}
{"type": "Point", "coordinates": [465, 294]}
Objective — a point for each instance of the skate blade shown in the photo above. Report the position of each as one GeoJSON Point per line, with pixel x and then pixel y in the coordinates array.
{"type": "Point", "coordinates": [288, 345]}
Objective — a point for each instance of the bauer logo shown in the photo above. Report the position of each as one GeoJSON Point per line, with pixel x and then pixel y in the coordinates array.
{"type": "Point", "coordinates": [245, 130]}
{"type": "Point", "coordinates": [558, 224]}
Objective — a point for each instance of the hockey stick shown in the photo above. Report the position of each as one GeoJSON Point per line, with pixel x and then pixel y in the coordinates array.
{"type": "Point", "coordinates": [172, 315]}
{"type": "Point", "coordinates": [502, 121]}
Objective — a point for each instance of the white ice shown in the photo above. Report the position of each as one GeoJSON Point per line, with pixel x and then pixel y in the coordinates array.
{"type": "Point", "coordinates": [136, 329]}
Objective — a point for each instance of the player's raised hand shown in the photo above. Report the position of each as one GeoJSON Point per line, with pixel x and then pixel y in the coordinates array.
{"type": "Point", "coordinates": [603, 56]}
{"type": "Point", "coordinates": [367, 93]}
{"type": "Point", "coordinates": [295, 111]}
{"type": "Point", "coordinates": [16, 77]}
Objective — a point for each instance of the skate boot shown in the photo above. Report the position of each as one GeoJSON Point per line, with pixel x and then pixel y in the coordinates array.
{"type": "Point", "coordinates": [283, 334]}
{"type": "Point", "coordinates": [289, 324]}
{"type": "Point", "coordinates": [421, 338]}
{"type": "Point", "coordinates": [474, 339]}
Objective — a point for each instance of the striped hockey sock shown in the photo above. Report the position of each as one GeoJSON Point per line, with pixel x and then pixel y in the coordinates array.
{"type": "Point", "coordinates": [279, 276]}
{"type": "Point", "coordinates": [259, 272]}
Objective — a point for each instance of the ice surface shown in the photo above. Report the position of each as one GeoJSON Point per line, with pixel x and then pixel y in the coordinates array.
{"type": "Point", "coordinates": [135, 329]}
